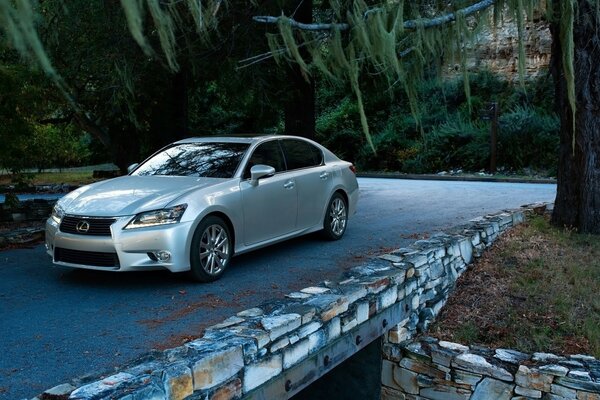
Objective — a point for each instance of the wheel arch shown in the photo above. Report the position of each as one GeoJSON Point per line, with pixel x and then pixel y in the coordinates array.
{"type": "Point", "coordinates": [327, 230]}
{"type": "Point", "coordinates": [216, 213]}
{"type": "Point", "coordinates": [342, 192]}
{"type": "Point", "coordinates": [227, 221]}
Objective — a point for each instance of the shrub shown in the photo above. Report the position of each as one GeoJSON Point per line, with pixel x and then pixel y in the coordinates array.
{"type": "Point", "coordinates": [338, 128]}
{"type": "Point", "coordinates": [528, 139]}
{"type": "Point", "coordinates": [450, 133]}
{"type": "Point", "coordinates": [394, 149]}
{"type": "Point", "coordinates": [457, 144]}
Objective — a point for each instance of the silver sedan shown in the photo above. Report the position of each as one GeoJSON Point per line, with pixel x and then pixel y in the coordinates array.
{"type": "Point", "coordinates": [196, 203]}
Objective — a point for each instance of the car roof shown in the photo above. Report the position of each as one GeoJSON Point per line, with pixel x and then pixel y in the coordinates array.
{"type": "Point", "coordinates": [237, 138]}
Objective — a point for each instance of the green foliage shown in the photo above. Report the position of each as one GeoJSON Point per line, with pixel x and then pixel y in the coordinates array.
{"type": "Point", "coordinates": [15, 128]}
{"type": "Point", "coordinates": [457, 144]}
{"type": "Point", "coordinates": [451, 134]}
{"type": "Point", "coordinates": [528, 139]}
{"type": "Point", "coordinates": [396, 42]}
{"type": "Point", "coordinates": [336, 128]}
{"type": "Point", "coordinates": [220, 107]}
{"type": "Point", "coordinates": [141, 104]}
{"type": "Point", "coordinates": [27, 143]}
{"type": "Point", "coordinates": [566, 21]}
{"type": "Point", "coordinates": [58, 146]}
{"type": "Point", "coordinates": [166, 22]}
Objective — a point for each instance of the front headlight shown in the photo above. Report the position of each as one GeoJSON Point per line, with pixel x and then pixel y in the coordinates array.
{"type": "Point", "coordinates": [57, 213]}
{"type": "Point", "coordinates": [158, 217]}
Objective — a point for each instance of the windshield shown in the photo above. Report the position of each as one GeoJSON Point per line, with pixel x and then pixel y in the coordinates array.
{"type": "Point", "coordinates": [210, 160]}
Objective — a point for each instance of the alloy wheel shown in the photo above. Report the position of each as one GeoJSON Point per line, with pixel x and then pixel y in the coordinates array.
{"type": "Point", "coordinates": [338, 216]}
{"type": "Point", "coordinates": [214, 249]}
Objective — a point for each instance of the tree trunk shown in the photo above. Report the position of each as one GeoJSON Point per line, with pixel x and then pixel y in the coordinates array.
{"type": "Point", "coordinates": [577, 203]}
{"type": "Point", "coordinates": [299, 108]}
{"type": "Point", "coordinates": [169, 120]}
{"type": "Point", "coordinates": [126, 150]}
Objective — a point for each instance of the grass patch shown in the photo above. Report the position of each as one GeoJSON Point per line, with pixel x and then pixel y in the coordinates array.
{"type": "Point", "coordinates": [536, 289]}
{"type": "Point", "coordinates": [54, 178]}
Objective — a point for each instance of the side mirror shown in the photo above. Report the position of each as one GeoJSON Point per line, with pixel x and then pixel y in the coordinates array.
{"type": "Point", "coordinates": [260, 171]}
{"type": "Point", "coordinates": [132, 167]}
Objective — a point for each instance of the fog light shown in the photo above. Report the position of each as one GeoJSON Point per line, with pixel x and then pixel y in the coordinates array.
{"type": "Point", "coordinates": [163, 256]}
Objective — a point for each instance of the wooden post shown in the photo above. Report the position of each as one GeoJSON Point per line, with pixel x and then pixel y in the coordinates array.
{"type": "Point", "coordinates": [493, 136]}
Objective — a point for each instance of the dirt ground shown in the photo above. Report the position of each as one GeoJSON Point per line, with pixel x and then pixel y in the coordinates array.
{"type": "Point", "coordinates": [523, 294]}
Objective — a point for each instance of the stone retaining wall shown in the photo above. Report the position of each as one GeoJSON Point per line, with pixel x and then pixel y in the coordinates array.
{"type": "Point", "coordinates": [405, 289]}
{"type": "Point", "coordinates": [438, 370]}
{"type": "Point", "coordinates": [29, 210]}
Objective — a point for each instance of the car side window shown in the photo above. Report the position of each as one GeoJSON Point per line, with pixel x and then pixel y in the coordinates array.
{"type": "Point", "coordinates": [301, 154]}
{"type": "Point", "coordinates": [268, 153]}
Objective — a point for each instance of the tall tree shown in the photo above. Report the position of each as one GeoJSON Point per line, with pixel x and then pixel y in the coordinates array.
{"type": "Point", "coordinates": [299, 108]}
{"type": "Point", "coordinates": [575, 53]}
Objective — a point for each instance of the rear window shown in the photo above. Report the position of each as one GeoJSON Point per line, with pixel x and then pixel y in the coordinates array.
{"type": "Point", "coordinates": [301, 154]}
{"type": "Point", "coordinates": [211, 160]}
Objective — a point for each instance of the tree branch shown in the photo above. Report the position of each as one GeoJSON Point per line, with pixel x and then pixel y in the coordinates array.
{"type": "Point", "coordinates": [86, 124]}
{"type": "Point", "coordinates": [265, 56]}
{"type": "Point", "coordinates": [302, 26]}
{"type": "Point", "coordinates": [409, 25]}
{"type": "Point", "coordinates": [444, 19]}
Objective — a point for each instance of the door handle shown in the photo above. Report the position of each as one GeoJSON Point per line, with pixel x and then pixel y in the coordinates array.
{"type": "Point", "coordinates": [289, 185]}
{"type": "Point", "coordinates": [324, 175]}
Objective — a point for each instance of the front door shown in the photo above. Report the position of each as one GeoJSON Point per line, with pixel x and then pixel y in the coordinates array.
{"type": "Point", "coordinates": [271, 206]}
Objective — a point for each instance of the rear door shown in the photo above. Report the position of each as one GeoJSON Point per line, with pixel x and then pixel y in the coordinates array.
{"type": "Point", "coordinates": [270, 207]}
{"type": "Point", "coordinates": [313, 180]}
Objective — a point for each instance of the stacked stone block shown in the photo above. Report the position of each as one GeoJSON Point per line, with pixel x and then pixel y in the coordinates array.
{"type": "Point", "coordinates": [429, 369]}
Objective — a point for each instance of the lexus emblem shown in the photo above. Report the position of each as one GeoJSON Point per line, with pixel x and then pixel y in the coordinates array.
{"type": "Point", "coordinates": [83, 226]}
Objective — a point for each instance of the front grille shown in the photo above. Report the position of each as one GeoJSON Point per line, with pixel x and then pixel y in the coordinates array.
{"type": "Point", "coordinates": [91, 258]}
{"type": "Point", "coordinates": [87, 226]}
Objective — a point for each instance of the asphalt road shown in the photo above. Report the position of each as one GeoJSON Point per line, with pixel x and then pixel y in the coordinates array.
{"type": "Point", "coordinates": [57, 323]}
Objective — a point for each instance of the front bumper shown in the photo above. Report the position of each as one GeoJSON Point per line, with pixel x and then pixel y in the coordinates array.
{"type": "Point", "coordinates": [132, 250]}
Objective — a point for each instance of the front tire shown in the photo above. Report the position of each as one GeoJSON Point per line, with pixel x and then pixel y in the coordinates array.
{"type": "Point", "coordinates": [336, 217]}
{"type": "Point", "coordinates": [212, 248]}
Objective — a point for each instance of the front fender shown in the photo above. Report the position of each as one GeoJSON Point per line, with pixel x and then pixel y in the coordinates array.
{"type": "Point", "coordinates": [224, 199]}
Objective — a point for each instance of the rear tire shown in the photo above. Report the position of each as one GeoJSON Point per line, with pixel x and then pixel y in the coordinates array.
{"type": "Point", "coordinates": [336, 217]}
{"type": "Point", "coordinates": [211, 250]}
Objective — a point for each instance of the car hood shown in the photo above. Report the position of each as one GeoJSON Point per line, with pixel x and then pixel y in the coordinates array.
{"type": "Point", "coordinates": [129, 195]}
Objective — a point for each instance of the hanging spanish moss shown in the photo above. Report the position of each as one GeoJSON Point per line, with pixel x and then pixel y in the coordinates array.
{"type": "Point", "coordinates": [395, 41]}
{"type": "Point", "coordinates": [167, 16]}
{"type": "Point", "coordinates": [18, 19]}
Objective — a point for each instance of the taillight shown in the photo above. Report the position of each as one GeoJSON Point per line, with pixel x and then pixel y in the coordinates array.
{"type": "Point", "coordinates": [353, 169]}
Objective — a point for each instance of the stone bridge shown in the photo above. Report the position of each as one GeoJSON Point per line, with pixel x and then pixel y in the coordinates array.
{"type": "Point", "coordinates": [354, 339]}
